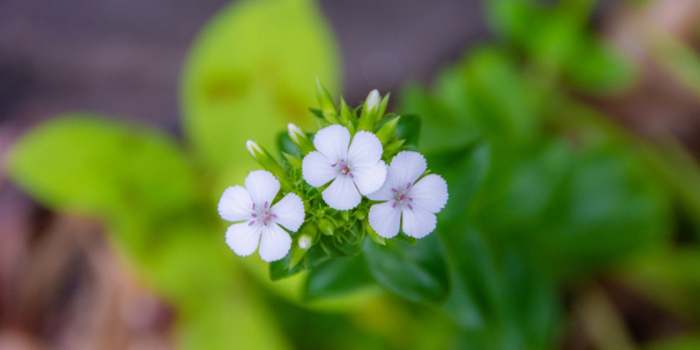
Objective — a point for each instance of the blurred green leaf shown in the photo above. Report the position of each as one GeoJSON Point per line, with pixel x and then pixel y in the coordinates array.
{"type": "Point", "coordinates": [691, 342]}
{"type": "Point", "coordinates": [244, 76]}
{"type": "Point", "coordinates": [499, 300]}
{"type": "Point", "coordinates": [89, 165]}
{"type": "Point", "coordinates": [408, 129]}
{"type": "Point", "coordinates": [417, 272]}
{"type": "Point", "coordinates": [336, 277]}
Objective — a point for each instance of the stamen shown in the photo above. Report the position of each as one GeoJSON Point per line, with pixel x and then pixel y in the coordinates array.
{"type": "Point", "coordinates": [266, 204]}
{"type": "Point", "coordinates": [273, 215]}
{"type": "Point", "coordinates": [253, 206]}
{"type": "Point", "coordinates": [351, 176]}
{"type": "Point", "coordinates": [394, 206]}
{"type": "Point", "coordinates": [251, 223]}
{"type": "Point", "coordinates": [410, 207]}
{"type": "Point", "coordinates": [408, 185]}
{"type": "Point", "coordinates": [334, 165]}
{"type": "Point", "coordinates": [255, 215]}
{"type": "Point", "coordinates": [394, 190]}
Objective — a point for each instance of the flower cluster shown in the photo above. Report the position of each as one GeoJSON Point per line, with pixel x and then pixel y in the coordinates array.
{"type": "Point", "coordinates": [335, 183]}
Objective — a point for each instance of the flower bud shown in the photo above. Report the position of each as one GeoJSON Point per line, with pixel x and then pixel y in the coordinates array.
{"type": "Point", "coordinates": [372, 101]}
{"type": "Point", "coordinates": [304, 242]}
{"type": "Point", "coordinates": [326, 227]}
{"type": "Point", "coordinates": [368, 117]}
{"type": "Point", "coordinates": [347, 116]}
{"type": "Point", "coordinates": [265, 160]}
{"type": "Point", "coordinates": [300, 139]}
{"type": "Point", "coordinates": [387, 131]}
{"type": "Point", "coordinates": [326, 103]}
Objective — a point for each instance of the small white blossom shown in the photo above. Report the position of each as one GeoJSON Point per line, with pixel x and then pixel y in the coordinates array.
{"type": "Point", "coordinates": [408, 198]}
{"type": "Point", "coordinates": [257, 220]}
{"type": "Point", "coordinates": [355, 168]}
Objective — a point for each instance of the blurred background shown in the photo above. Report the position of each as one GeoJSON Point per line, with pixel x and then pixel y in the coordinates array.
{"type": "Point", "coordinates": [568, 131]}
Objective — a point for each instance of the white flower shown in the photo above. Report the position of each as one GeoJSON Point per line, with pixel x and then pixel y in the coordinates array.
{"type": "Point", "coordinates": [416, 201]}
{"type": "Point", "coordinates": [254, 216]}
{"type": "Point", "coordinates": [356, 169]}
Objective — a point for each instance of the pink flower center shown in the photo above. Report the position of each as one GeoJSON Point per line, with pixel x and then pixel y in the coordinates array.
{"type": "Point", "coordinates": [344, 169]}
{"type": "Point", "coordinates": [401, 196]}
{"type": "Point", "coordinates": [263, 215]}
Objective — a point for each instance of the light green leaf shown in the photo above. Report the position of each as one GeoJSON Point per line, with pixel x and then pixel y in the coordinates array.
{"type": "Point", "coordinates": [94, 166]}
{"type": "Point", "coordinates": [251, 71]}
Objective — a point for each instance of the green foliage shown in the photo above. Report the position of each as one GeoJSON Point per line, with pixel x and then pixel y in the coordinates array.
{"type": "Point", "coordinates": [542, 193]}
{"type": "Point", "coordinates": [417, 272]}
{"type": "Point", "coordinates": [251, 69]}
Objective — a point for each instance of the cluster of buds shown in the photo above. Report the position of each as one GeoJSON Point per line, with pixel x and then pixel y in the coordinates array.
{"type": "Point", "coordinates": [357, 177]}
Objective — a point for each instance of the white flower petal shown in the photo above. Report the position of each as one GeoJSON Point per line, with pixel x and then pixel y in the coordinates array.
{"type": "Point", "coordinates": [342, 194]}
{"type": "Point", "coordinates": [275, 243]}
{"type": "Point", "coordinates": [243, 239]}
{"type": "Point", "coordinates": [370, 177]}
{"type": "Point", "coordinates": [235, 204]}
{"type": "Point", "coordinates": [430, 193]}
{"type": "Point", "coordinates": [332, 141]}
{"type": "Point", "coordinates": [289, 211]}
{"type": "Point", "coordinates": [364, 149]}
{"type": "Point", "coordinates": [385, 219]}
{"type": "Point", "coordinates": [384, 193]}
{"type": "Point", "coordinates": [406, 167]}
{"type": "Point", "coordinates": [262, 186]}
{"type": "Point", "coordinates": [317, 170]}
{"type": "Point", "coordinates": [418, 222]}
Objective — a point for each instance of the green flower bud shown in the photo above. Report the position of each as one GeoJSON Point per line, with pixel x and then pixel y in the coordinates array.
{"type": "Point", "coordinates": [325, 101]}
{"type": "Point", "coordinates": [326, 227]}
{"type": "Point", "coordinates": [370, 111]}
{"type": "Point", "coordinates": [372, 101]}
{"type": "Point", "coordinates": [265, 160]}
{"type": "Point", "coordinates": [292, 160]}
{"type": "Point", "coordinates": [382, 106]}
{"type": "Point", "coordinates": [300, 139]}
{"type": "Point", "coordinates": [393, 148]}
{"type": "Point", "coordinates": [387, 131]}
{"type": "Point", "coordinates": [347, 117]}
{"type": "Point", "coordinates": [374, 235]}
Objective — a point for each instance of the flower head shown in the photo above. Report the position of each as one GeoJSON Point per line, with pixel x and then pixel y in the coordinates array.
{"type": "Point", "coordinates": [355, 169]}
{"type": "Point", "coordinates": [257, 220]}
{"type": "Point", "coordinates": [408, 197]}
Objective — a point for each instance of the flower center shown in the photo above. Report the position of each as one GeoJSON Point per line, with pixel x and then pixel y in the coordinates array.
{"type": "Point", "coordinates": [262, 215]}
{"type": "Point", "coordinates": [344, 169]}
{"type": "Point", "coordinates": [401, 196]}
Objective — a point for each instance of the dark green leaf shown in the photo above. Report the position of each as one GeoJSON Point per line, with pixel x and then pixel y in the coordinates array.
{"type": "Point", "coordinates": [336, 277]}
{"type": "Point", "coordinates": [417, 272]}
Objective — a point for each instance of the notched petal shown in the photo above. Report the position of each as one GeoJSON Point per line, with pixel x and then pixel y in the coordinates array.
{"type": "Point", "coordinates": [289, 212]}
{"type": "Point", "coordinates": [262, 186]}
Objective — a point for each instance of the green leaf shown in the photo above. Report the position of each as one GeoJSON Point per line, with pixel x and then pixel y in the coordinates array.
{"type": "Point", "coordinates": [417, 272]}
{"type": "Point", "coordinates": [94, 166]}
{"type": "Point", "coordinates": [499, 300]}
{"type": "Point", "coordinates": [250, 72]}
{"type": "Point", "coordinates": [336, 277]}
{"type": "Point", "coordinates": [408, 129]}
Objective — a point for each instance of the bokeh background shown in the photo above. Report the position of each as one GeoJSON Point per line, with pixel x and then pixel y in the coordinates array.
{"type": "Point", "coordinates": [551, 79]}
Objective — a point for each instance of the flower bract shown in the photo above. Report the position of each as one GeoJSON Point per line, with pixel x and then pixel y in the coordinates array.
{"type": "Point", "coordinates": [257, 220]}
{"type": "Point", "coordinates": [355, 168]}
{"type": "Point", "coordinates": [410, 202]}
